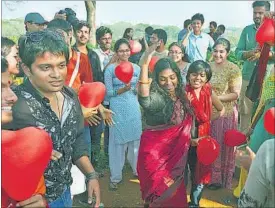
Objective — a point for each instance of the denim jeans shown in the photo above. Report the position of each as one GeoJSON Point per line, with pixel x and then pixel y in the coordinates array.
{"type": "Point", "coordinates": [196, 189]}
{"type": "Point", "coordinates": [87, 137]}
{"type": "Point", "coordinates": [63, 201]}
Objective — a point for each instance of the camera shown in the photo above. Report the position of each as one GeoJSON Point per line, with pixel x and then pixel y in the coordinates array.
{"type": "Point", "coordinates": [70, 15]}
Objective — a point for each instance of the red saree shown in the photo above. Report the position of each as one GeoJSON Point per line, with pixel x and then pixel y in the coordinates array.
{"type": "Point", "coordinates": [161, 163]}
{"type": "Point", "coordinates": [202, 109]}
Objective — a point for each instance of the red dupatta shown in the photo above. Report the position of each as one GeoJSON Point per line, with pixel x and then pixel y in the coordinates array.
{"type": "Point", "coordinates": [202, 109]}
{"type": "Point", "coordinates": [161, 163]}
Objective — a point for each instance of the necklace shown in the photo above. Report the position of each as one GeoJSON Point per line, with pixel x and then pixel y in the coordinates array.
{"type": "Point", "coordinates": [59, 111]}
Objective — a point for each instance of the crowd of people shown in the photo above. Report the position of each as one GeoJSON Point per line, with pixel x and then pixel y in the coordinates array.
{"type": "Point", "coordinates": [157, 120]}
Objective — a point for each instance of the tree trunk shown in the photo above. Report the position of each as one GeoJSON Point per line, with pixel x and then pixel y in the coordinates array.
{"type": "Point", "coordinates": [91, 9]}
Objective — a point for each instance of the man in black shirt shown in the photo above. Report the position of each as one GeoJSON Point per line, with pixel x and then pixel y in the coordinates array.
{"type": "Point", "coordinates": [44, 102]}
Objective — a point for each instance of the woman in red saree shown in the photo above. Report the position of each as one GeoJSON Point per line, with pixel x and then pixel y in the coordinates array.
{"type": "Point", "coordinates": [165, 141]}
{"type": "Point", "coordinates": [201, 97]}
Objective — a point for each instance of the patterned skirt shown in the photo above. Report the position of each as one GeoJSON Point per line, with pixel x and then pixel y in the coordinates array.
{"type": "Point", "coordinates": [224, 166]}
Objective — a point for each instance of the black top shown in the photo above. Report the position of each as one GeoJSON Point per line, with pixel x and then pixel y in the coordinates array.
{"type": "Point", "coordinates": [32, 109]}
{"type": "Point", "coordinates": [95, 64]}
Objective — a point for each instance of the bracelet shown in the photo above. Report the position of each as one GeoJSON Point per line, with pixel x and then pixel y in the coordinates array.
{"type": "Point", "coordinates": [91, 176]}
{"type": "Point", "coordinates": [143, 82]}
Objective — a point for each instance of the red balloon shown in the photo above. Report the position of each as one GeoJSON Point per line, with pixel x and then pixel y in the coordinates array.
{"type": "Point", "coordinates": [266, 32]}
{"type": "Point", "coordinates": [25, 156]}
{"type": "Point", "coordinates": [269, 120]}
{"type": "Point", "coordinates": [91, 94]}
{"type": "Point", "coordinates": [208, 150]}
{"type": "Point", "coordinates": [124, 71]}
{"type": "Point", "coordinates": [152, 63]}
{"type": "Point", "coordinates": [234, 138]}
{"type": "Point", "coordinates": [135, 46]}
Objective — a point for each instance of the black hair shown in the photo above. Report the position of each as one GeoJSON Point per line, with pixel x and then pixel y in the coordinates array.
{"type": "Point", "coordinates": [101, 31]}
{"type": "Point", "coordinates": [149, 30]}
{"type": "Point", "coordinates": [80, 24]}
{"type": "Point", "coordinates": [162, 35]}
{"type": "Point", "coordinates": [38, 43]}
{"type": "Point", "coordinates": [4, 64]}
{"type": "Point", "coordinates": [167, 63]}
{"type": "Point", "coordinates": [199, 66]}
{"type": "Point", "coordinates": [185, 56]}
{"type": "Point", "coordinates": [213, 23]}
{"type": "Point", "coordinates": [186, 23]}
{"type": "Point", "coordinates": [222, 28]}
{"type": "Point", "coordinates": [265, 4]}
{"type": "Point", "coordinates": [60, 24]}
{"type": "Point", "coordinates": [127, 30]}
{"type": "Point", "coordinates": [6, 45]}
{"type": "Point", "coordinates": [224, 42]}
{"type": "Point", "coordinates": [198, 16]}
{"type": "Point", "coordinates": [120, 42]}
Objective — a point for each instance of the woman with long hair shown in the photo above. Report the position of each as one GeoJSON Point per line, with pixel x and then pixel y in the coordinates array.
{"type": "Point", "coordinates": [165, 141]}
{"type": "Point", "coordinates": [226, 83]}
{"type": "Point", "coordinates": [176, 53]}
{"type": "Point", "coordinates": [125, 134]}
{"type": "Point", "coordinates": [128, 33]}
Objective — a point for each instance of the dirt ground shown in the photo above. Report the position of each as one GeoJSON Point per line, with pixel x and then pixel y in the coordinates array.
{"type": "Point", "coordinates": [128, 194]}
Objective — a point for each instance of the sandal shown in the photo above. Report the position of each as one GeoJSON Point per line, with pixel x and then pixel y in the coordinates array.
{"type": "Point", "coordinates": [113, 186]}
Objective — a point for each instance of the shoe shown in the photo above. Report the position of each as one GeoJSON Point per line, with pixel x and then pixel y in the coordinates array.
{"type": "Point", "coordinates": [113, 186]}
{"type": "Point", "coordinates": [192, 205]}
{"type": "Point", "coordinates": [214, 186]}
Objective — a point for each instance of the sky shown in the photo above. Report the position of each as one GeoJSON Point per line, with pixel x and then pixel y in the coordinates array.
{"type": "Point", "coordinates": [229, 13]}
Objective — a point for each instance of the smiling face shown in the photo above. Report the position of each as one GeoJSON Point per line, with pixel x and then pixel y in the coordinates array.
{"type": "Point", "coordinates": [13, 60]}
{"type": "Point", "coordinates": [123, 52]}
{"type": "Point", "coordinates": [196, 25]}
{"type": "Point", "coordinates": [212, 28]}
{"type": "Point", "coordinates": [168, 80]}
{"type": "Point", "coordinates": [197, 79]}
{"type": "Point", "coordinates": [220, 54]}
{"type": "Point", "coordinates": [48, 73]}
{"type": "Point", "coordinates": [175, 53]}
{"type": "Point", "coordinates": [8, 98]}
{"type": "Point", "coordinates": [83, 35]}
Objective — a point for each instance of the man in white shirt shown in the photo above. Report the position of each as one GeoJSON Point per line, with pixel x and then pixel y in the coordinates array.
{"type": "Point", "coordinates": [197, 43]}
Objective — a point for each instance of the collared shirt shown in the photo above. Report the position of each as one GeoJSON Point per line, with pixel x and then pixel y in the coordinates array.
{"type": "Point", "coordinates": [197, 46]}
{"type": "Point", "coordinates": [32, 109]}
{"type": "Point", "coordinates": [104, 57]}
{"type": "Point", "coordinates": [248, 42]}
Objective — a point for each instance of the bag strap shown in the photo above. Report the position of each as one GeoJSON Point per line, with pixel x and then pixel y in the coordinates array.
{"type": "Point", "coordinates": [76, 69]}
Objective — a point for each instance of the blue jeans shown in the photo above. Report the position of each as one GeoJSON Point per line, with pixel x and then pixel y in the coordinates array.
{"type": "Point", "coordinates": [87, 137]}
{"type": "Point", "coordinates": [63, 201]}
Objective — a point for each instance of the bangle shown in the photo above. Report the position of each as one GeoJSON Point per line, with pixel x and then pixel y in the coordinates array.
{"type": "Point", "coordinates": [91, 176]}
{"type": "Point", "coordinates": [143, 82]}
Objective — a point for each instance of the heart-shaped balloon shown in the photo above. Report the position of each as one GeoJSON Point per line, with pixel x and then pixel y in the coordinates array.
{"type": "Point", "coordinates": [124, 71]}
{"type": "Point", "coordinates": [91, 94]}
{"type": "Point", "coordinates": [266, 32]}
{"type": "Point", "coordinates": [152, 63]}
{"type": "Point", "coordinates": [234, 138]}
{"type": "Point", "coordinates": [269, 120]}
{"type": "Point", "coordinates": [135, 46]}
{"type": "Point", "coordinates": [208, 150]}
{"type": "Point", "coordinates": [25, 156]}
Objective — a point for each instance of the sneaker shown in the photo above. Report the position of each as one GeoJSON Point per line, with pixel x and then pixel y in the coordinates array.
{"type": "Point", "coordinates": [113, 186]}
